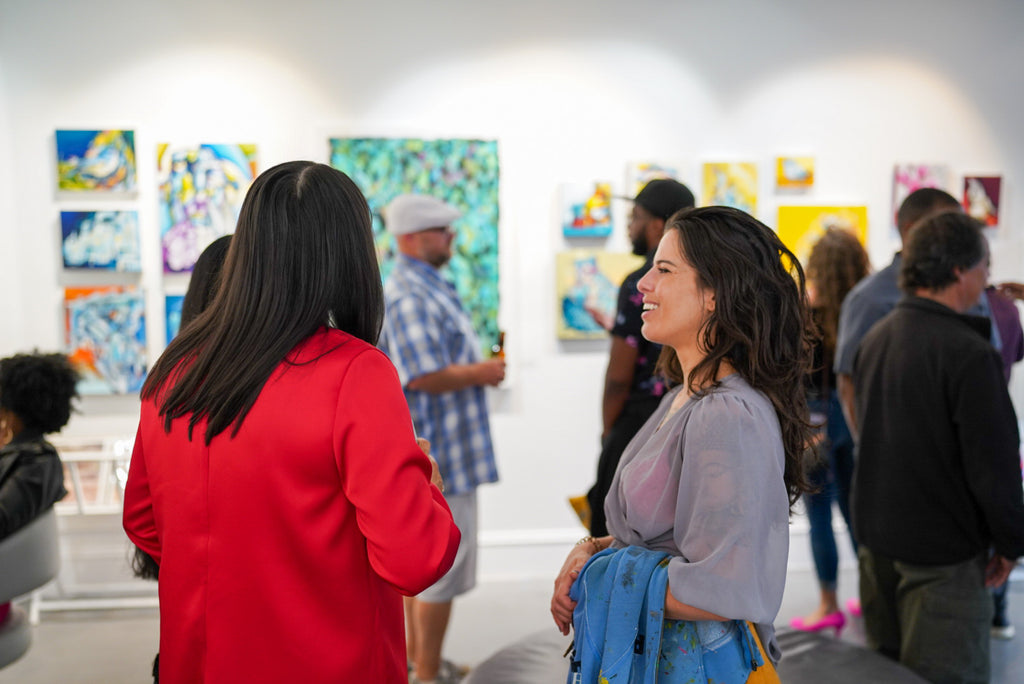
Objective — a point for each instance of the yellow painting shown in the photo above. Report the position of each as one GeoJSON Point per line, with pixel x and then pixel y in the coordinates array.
{"type": "Point", "coordinates": [794, 173]}
{"type": "Point", "coordinates": [731, 184]}
{"type": "Point", "coordinates": [800, 227]}
{"type": "Point", "coordinates": [588, 282]}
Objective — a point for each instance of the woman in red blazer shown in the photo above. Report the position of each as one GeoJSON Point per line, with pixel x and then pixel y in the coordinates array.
{"type": "Point", "coordinates": [276, 480]}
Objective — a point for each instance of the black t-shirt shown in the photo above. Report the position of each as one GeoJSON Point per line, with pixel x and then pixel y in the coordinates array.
{"type": "Point", "coordinates": [646, 383]}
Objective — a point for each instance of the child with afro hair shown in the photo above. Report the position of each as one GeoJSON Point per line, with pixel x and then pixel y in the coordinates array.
{"type": "Point", "coordinates": [35, 399]}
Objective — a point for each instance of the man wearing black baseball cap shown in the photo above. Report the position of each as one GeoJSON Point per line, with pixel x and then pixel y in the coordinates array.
{"type": "Point", "coordinates": [652, 207]}
{"type": "Point", "coordinates": [631, 390]}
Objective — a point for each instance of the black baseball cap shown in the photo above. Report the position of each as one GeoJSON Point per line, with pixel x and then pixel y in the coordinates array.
{"type": "Point", "coordinates": [663, 197]}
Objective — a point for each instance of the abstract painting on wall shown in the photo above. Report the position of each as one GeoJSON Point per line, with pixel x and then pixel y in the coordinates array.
{"type": "Point", "coordinates": [587, 282]}
{"type": "Point", "coordinates": [910, 177]}
{"type": "Point", "coordinates": [463, 173]}
{"type": "Point", "coordinates": [794, 173]}
{"type": "Point", "coordinates": [96, 160]}
{"type": "Point", "coordinates": [105, 332]}
{"type": "Point", "coordinates": [105, 240]}
{"type": "Point", "coordinates": [981, 198]}
{"type": "Point", "coordinates": [800, 227]}
{"type": "Point", "coordinates": [201, 188]}
{"type": "Point", "coordinates": [172, 307]}
{"type": "Point", "coordinates": [731, 184]}
{"type": "Point", "coordinates": [639, 174]}
{"type": "Point", "coordinates": [586, 210]}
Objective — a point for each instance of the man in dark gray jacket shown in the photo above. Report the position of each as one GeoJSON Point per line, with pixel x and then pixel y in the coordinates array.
{"type": "Point", "coordinates": [938, 481]}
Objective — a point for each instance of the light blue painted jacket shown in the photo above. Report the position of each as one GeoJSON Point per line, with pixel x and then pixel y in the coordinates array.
{"type": "Point", "coordinates": [621, 634]}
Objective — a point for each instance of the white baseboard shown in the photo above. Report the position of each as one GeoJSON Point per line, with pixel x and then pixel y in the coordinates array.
{"type": "Point", "coordinates": [532, 553]}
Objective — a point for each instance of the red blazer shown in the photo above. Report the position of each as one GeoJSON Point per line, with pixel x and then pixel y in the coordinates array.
{"type": "Point", "coordinates": [284, 551]}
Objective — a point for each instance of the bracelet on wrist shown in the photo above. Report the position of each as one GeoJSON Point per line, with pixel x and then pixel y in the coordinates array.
{"type": "Point", "coordinates": [592, 540]}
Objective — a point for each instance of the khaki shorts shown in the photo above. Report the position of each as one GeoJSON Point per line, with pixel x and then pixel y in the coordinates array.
{"type": "Point", "coordinates": [462, 575]}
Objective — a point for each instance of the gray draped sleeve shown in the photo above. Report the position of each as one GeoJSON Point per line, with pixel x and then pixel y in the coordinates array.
{"type": "Point", "coordinates": [707, 487]}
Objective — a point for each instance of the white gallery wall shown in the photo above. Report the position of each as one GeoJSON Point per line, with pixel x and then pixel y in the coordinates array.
{"type": "Point", "coordinates": [573, 91]}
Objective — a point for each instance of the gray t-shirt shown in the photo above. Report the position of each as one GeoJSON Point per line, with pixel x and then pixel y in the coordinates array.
{"type": "Point", "coordinates": [707, 487]}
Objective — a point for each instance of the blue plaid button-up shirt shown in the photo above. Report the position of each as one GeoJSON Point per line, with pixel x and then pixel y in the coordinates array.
{"type": "Point", "coordinates": [427, 330]}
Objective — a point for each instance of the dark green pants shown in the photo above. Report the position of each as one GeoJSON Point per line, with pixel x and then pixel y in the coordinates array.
{"type": "Point", "coordinates": [934, 619]}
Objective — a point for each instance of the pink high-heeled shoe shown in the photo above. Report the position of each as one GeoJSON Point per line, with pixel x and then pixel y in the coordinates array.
{"type": "Point", "coordinates": [834, 620]}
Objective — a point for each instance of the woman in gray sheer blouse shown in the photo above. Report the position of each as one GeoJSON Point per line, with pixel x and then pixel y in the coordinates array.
{"type": "Point", "coordinates": [712, 477]}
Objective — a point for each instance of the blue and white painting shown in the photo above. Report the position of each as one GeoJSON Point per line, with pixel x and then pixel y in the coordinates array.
{"type": "Point", "coordinates": [103, 240]}
{"type": "Point", "coordinates": [106, 338]}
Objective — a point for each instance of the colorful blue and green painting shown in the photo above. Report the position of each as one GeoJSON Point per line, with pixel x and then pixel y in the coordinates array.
{"type": "Point", "coordinates": [96, 160]}
{"type": "Point", "coordinates": [463, 173]}
{"type": "Point", "coordinates": [105, 330]}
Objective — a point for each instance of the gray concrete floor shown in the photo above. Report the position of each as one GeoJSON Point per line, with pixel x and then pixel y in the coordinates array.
{"type": "Point", "coordinates": [114, 647]}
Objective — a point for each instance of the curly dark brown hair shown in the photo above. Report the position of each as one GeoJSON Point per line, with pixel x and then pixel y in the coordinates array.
{"type": "Point", "coordinates": [38, 389]}
{"type": "Point", "coordinates": [837, 262]}
{"type": "Point", "coordinates": [761, 324]}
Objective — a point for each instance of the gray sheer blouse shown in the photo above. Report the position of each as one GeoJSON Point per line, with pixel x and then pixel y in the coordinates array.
{"type": "Point", "coordinates": [707, 487]}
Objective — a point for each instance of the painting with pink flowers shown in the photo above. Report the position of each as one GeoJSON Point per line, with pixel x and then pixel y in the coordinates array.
{"type": "Point", "coordinates": [910, 177]}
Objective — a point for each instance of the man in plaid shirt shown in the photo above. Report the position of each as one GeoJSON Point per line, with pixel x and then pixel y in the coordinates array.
{"type": "Point", "coordinates": [430, 339]}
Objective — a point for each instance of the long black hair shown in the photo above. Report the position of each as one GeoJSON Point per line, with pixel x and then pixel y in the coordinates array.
{"type": "Point", "coordinates": [205, 280]}
{"type": "Point", "coordinates": [761, 323]}
{"type": "Point", "coordinates": [301, 258]}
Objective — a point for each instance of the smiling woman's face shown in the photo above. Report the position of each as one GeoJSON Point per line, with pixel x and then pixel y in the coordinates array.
{"type": "Point", "coordinates": [675, 304]}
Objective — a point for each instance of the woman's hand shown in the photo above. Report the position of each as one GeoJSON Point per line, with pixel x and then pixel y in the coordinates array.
{"type": "Point", "coordinates": [435, 474]}
{"type": "Point", "coordinates": [561, 605]}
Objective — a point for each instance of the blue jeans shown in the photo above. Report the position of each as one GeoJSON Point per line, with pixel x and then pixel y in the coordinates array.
{"type": "Point", "coordinates": [831, 478]}
{"type": "Point", "coordinates": [999, 618]}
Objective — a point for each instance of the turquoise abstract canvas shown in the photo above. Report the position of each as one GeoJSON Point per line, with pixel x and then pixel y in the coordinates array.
{"type": "Point", "coordinates": [463, 173]}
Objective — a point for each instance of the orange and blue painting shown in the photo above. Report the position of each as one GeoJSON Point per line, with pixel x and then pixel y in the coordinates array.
{"type": "Point", "coordinates": [104, 240]}
{"type": "Point", "coordinates": [731, 184]}
{"type": "Point", "coordinates": [800, 227]}
{"type": "Point", "coordinates": [461, 172]}
{"type": "Point", "coordinates": [201, 188]}
{"type": "Point", "coordinates": [89, 160]}
{"type": "Point", "coordinates": [588, 283]}
{"type": "Point", "coordinates": [105, 333]}
{"type": "Point", "coordinates": [586, 210]}
{"type": "Point", "coordinates": [981, 198]}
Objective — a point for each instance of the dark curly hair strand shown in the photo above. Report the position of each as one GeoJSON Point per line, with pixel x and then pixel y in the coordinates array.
{"type": "Point", "coordinates": [38, 389]}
